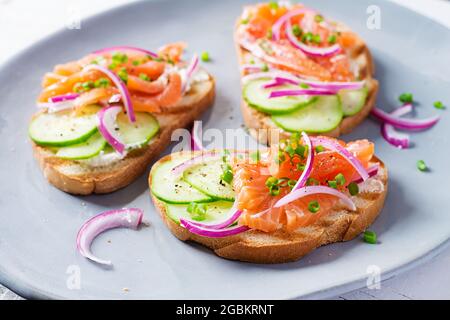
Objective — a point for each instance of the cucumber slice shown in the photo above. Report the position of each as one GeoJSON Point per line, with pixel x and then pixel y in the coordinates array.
{"type": "Point", "coordinates": [84, 150]}
{"type": "Point", "coordinates": [206, 178]}
{"type": "Point", "coordinates": [137, 133]}
{"type": "Point", "coordinates": [168, 188]}
{"type": "Point", "coordinates": [258, 97]}
{"type": "Point", "coordinates": [62, 129]}
{"type": "Point", "coordinates": [353, 100]}
{"type": "Point", "coordinates": [214, 212]}
{"type": "Point", "coordinates": [323, 115]}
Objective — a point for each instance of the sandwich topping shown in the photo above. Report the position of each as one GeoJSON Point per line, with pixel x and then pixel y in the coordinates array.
{"type": "Point", "coordinates": [283, 188]}
{"type": "Point", "coordinates": [96, 109]}
{"type": "Point", "coordinates": [293, 60]}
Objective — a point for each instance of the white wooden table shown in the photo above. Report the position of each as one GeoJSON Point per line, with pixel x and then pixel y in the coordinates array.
{"type": "Point", "coordinates": [22, 22]}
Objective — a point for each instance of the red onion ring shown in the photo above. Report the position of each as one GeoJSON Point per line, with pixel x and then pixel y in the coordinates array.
{"type": "Point", "coordinates": [196, 141]}
{"type": "Point", "coordinates": [276, 28]}
{"type": "Point", "coordinates": [300, 92]}
{"type": "Point", "coordinates": [311, 190]}
{"type": "Point", "coordinates": [229, 219]}
{"type": "Point", "coordinates": [335, 146]}
{"type": "Point", "coordinates": [397, 139]}
{"type": "Point", "coordinates": [309, 50]}
{"type": "Point", "coordinates": [129, 48]}
{"type": "Point", "coordinates": [332, 86]}
{"type": "Point", "coordinates": [64, 97]}
{"type": "Point", "coordinates": [212, 233]}
{"type": "Point", "coordinates": [56, 107]}
{"type": "Point", "coordinates": [191, 69]}
{"type": "Point", "coordinates": [123, 218]}
{"type": "Point", "coordinates": [107, 118]}
{"type": "Point", "coordinates": [120, 85]}
{"type": "Point", "coordinates": [308, 165]}
{"type": "Point", "coordinates": [407, 124]}
{"type": "Point", "coordinates": [372, 171]}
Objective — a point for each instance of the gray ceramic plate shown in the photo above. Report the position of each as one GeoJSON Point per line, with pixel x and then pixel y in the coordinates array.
{"type": "Point", "coordinates": [38, 223]}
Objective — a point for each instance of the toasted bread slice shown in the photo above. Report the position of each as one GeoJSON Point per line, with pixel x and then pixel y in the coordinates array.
{"type": "Point", "coordinates": [77, 177]}
{"type": "Point", "coordinates": [261, 126]}
{"type": "Point", "coordinates": [281, 246]}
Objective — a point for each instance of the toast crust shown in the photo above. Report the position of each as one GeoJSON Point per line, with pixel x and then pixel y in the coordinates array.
{"type": "Point", "coordinates": [263, 129]}
{"type": "Point", "coordinates": [279, 247]}
{"type": "Point", "coordinates": [76, 178]}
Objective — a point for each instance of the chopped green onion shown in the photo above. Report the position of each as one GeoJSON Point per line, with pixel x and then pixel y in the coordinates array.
{"type": "Point", "coordinates": [307, 37]}
{"type": "Point", "coordinates": [112, 66]}
{"type": "Point", "coordinates": [318, 18]}
{"type": "Point", "coordinates": [269, 33]}
{"type": "Point", "coordinates": [370, 237]}
{"type": "Point", "coordinates": [118, 57]}
{"type": "Point", "coordinates": [197, 211]}
{"type": "Point", "coordinates": [255, 156]}
{"type": "Point", "coordinates": [300, 166]}
{"type": "Point", "coordinates": [300, 150]}
{"type": "Point", "coordinates": [273, 5]}
{"type": "Point", "coordinates": [313, 206]}
{"type": "Point", "coordinates": [101, 83]}
{"type": "Point", "coordinates": [136, 62]}
{"type": "Point", "coordinates": [421, 165]}
{"type": "Point", "coordinates": [332, 39]}
{"type": "Point", "coordinates": [245, 21]}
{"type": "Point", "coordinates": [144, 77]}
{"type": "Point", "coordinates": [296, 30]}
{"type": "Point", "coordinates": [265, 67]}
{"type": "Point", "coordinates": [123, 74]}
{"type": "Point", "coordinates": [227, 174]}
{"type": "Point", "coordinates": [205, 56]}
{"type": "Point", "coordinates": [353, 188]}
{"type": "Point", "coordinates": [274, 190]}
{"type": "Point", "coordinates": [271, 181]}
{"type": "Point", "coordinates": [292, 183]}
{"type": "Point", "coordinates": [312, 182]}
{"type": "Point", "coordinates": [316, 38]}
{"type": "Point", "coordinates": [319, 149]}
{"type": "Point", "coordinates": [406, 98]}
{"type": "Point", "coordinates": [340, 179]}
{"type": "Point", "coordinates": [439, 105]}
{"type": "Point", "coordinates": [332, 184]}
{"type": "Point", "coordinates": [290, 151]}
{"type": "Point", "coordinates": [304, 85]}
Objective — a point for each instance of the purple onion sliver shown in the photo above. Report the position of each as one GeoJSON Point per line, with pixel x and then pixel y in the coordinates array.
{"type": "Point", "coordinates": [107, 118]}
{"type": "Point", "coordinates": [196, 141]}
{"type": "Point", "coordinates": [300, 92]}
{"type": "Point", "coordinates": [407, 124]}
{"type": "Point", "coordinates": [333, 145]}
{"type": "Point", "coordinates": [310, 190]}
{"type": "Point", "coordinates": [372, 171]}
{"type": "Point", "coordinates": [121, 86]}
{"type": "Point", "coordinates": [129, 48]}
{"type": "Point", "coordinates": [309, 163]}
{"type": "Point", "coordinates": [230, 219]}
{"type": "Point", "coordinates": [276, 28]}
{"type": "Point", "coordinates": [309, 50]}
{"type": "Point", "coordinates": [212, 233]}
{"type": "Point", "coordinates": [64, 97]}
{"type": "Point", "coordinates": [124, 218]}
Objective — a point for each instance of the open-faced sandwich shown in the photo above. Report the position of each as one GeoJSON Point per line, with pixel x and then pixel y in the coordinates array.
{"type": "Point", "coordinates": [274, 205]}
{"type": "Point", "coordinates": [301, 72]}
{"type": "Point", "coordinates": [104, 117]}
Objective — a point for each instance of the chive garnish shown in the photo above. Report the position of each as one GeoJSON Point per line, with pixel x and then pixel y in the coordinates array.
{"type": "Point", "coordinates": [353, 188]}
{"type": "Point", "coordinates": [370, 237]}
{"type": "Point", "coordinates": [313, 206]}
{"type": "Point", "coordinates": [421, 165]}
{"type": "Point", "coordinates": [406, 97]}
